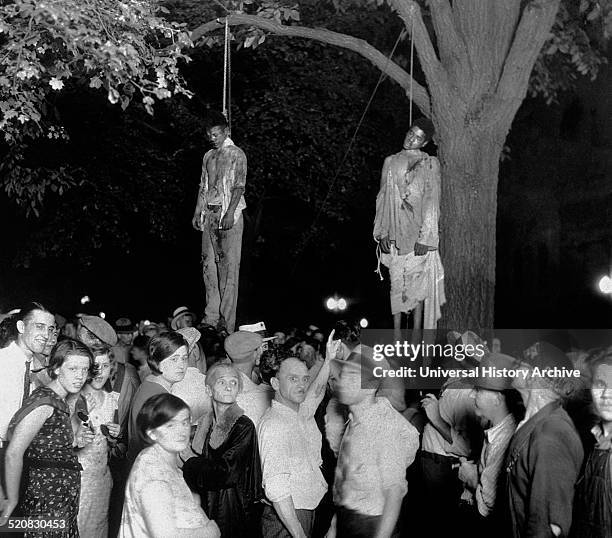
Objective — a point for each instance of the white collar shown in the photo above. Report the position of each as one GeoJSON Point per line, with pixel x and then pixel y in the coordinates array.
{"type": "Point", "coordinates": [495, 431]}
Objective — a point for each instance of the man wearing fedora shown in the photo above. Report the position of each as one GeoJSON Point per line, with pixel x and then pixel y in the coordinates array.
{"type": "Point", "coordinates": [182, 317]}
{"type": "Point", "coordinates": [493, 399]}
{"type": "Point", "coordinates": [545, 454]}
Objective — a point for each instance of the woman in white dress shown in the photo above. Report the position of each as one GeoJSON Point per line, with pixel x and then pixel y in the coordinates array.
{"type": "Point", "coordinates": [96, 481]}
{"type": "Point", "coordinates": [158, 502]}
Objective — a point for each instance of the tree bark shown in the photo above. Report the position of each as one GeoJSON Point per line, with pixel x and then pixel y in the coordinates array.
{"type": "Point", "coordinates": [470, 164]}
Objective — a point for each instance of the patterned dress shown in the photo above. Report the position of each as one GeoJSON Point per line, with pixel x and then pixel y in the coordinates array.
{"type": "Point", "coordinates": [151, 468]}
{"type": "Point", "coordinates": [51, 472]}
{"type": "Point", "coordinates": [96, 481]}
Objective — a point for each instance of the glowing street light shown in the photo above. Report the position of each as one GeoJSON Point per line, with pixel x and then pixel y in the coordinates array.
{"type": "Point", "coordinates": [605, 285]}
{"type": "Point", "coordinates": [363, 323]}
{"type": "Point", "coordinates": [331, 304]}
{"type": "Point", "coordinates": [85, 299]}
{"type": "Point", "coordinates": [102, 315]}
{"type": "Point", "coordinates": [336, 304]}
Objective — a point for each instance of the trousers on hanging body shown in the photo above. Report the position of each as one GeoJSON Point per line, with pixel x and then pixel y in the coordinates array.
{"type": "Point", "coordinates": [221, 251]}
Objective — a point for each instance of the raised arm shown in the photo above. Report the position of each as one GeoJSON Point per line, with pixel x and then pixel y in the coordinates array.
{"type": "Point", "coordinates": [316, 389]}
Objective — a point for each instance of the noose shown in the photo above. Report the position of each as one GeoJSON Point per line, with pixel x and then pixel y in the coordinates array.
{"type": "Point", "coordinates": [227, 77]}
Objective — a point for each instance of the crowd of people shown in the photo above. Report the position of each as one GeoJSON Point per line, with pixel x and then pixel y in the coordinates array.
{"type": "Point", "coordinates": [174, 429]}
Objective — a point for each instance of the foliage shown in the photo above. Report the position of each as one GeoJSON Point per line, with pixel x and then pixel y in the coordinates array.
{"type": "Point", "coordinates": [576, 48]}
{"type": "Point", "coordinates": [126, 49]}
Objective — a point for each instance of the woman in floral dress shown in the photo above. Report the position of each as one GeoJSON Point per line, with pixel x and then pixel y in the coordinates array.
{"type": "Point", "coordinates": [41, 447]}
{"type": "Point", "coordinates": [96, 481]}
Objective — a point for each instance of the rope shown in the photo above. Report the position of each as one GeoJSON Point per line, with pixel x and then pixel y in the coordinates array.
{"type": "Point", "coordinates": [348, 150]}
{"type": "Point", "coordinates": [229, 80]}
{"type": "Point", "coordinates": [227, 74]}
{"type": "Point", "coordinates": [411, 65]}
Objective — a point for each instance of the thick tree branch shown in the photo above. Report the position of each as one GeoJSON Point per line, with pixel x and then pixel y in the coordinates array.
{"type": "Point", "coordinates": [442, 91]}
{"type": "Point", "coordinates": [360, 46]}
{"type": "Point", "coordinates": [451, 46]}
{"type": "Point", "coordinates": [410, 12]}
{"type": "Point", "coordinates": [533, 31]}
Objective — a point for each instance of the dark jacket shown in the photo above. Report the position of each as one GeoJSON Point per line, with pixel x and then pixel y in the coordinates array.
{"type": "Point", "coordinates": [228, 479]}
{"type": "Point", "coordinates": [542, 466]}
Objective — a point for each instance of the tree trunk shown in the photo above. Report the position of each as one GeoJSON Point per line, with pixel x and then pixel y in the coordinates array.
{"type": "Point", "coordinates": [470, 164]}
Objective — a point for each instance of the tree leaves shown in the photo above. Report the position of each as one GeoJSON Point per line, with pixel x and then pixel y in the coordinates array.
{"type": "Point", "coordinates": [121, 47]}
{"type": "Point", "coordinates": [576, 47]}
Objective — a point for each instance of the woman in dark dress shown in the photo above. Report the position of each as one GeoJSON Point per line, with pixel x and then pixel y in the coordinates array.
{"type": "Point", "coordinates": [227, 475]}
{"type": "Point", "coordinates": [41, 448]}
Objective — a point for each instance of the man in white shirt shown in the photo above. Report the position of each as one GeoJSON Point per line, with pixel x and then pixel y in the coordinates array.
{"type": "Point", "coordinates": [290, 451]}
{"type": "Point", "coordinates": [35, 324]}
{"type": "Point", "coordinates": [377, 447]}
{"type": "Point", "coordinates": [348, 336]}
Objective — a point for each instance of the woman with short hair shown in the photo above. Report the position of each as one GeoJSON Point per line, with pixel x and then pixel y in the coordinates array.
{"type": "Point", "coordinates": [158, 502]}
{"type": "Point", "coordinates": [227, 475]}
{"type": "Point", "coordinates": [41, 449]}
{"type": "Point", "coordinates": [168, 363]}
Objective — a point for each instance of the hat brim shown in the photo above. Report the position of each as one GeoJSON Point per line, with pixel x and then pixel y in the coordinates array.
{"type": "Point", "coordinates": [179, 316]}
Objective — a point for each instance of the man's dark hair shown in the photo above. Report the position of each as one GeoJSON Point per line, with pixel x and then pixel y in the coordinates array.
{"type": "Point", "coordinates": [142, 342]}
{"type": "Point", "coordinates": [215, 119]}
{"type": "Point", "coordinates": [426, 125]}
{"type": "Point", "coordinates": [271, 360]}
{"type": "Point", "coordinates": [349, 332]}
{"type": "Point", "coordinates": [27, 310]}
